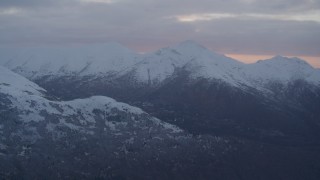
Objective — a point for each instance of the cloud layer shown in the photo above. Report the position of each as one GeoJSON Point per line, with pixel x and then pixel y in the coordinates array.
{"type": "Point", "coordinates": [288, 27]}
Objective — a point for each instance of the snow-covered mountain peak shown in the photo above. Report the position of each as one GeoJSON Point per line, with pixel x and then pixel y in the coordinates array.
{"type": "Point", "coordinates": [189, 44]}
{"type": "Point", "coordinates": [196, 59]}
{"type": "Point", "coordinates": [285, 64]}
{"type": "Point", "coordinates": [202, 55]}
{"type": "Point", "coordinates": [283, 69]}
{"type": "Point", "coordinates": [193, 49]}
{"type": "Point", "coordinates": [285, 61]}
{"type": "Point", "coordinates": [185, 49]}
{"type": "Point", "coordinates": [159, 65]}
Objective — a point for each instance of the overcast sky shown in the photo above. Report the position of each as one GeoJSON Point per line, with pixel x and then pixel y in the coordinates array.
{"type": "Point", "coordinates": [249, 27]}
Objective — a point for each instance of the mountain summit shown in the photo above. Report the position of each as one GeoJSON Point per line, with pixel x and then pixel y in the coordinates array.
{"type": "Point", "coordinates": [283, 69]}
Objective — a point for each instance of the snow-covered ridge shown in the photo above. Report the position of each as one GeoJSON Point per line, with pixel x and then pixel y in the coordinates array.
{"type": "Point", "coordinates": [27, 98]}
{"type": "Point", "coordinates": [154, 67]}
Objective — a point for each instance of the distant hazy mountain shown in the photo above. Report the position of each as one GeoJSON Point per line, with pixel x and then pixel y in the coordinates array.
{"type": "Point", "coordinates": [61, 61]}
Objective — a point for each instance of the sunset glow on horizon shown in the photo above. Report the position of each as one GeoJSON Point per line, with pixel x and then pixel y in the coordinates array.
{"type": "Point", "coordinates": [248, 59]}
{"type": "Point", "coordinates": [247, 30]}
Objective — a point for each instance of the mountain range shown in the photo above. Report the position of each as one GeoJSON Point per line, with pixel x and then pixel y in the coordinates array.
{"type": "Point", "coordinates": [185, 100]}
{"type": "Point", "coordinates": [113, 59]}
{"type": "Point", "coordinates": [185, 84]}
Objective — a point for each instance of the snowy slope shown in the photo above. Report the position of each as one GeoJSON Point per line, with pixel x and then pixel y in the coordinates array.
{"type": "Point", "coordinates": [27, 98]}
{"type": "Point", "coordinates": [16, 85]}
{"type": "Point", "coordinates": [82, 137]}
{"type": "Point", "coordinates": [78, 60]}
